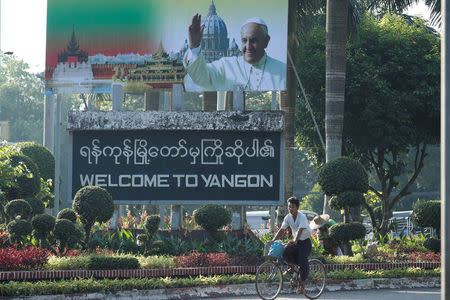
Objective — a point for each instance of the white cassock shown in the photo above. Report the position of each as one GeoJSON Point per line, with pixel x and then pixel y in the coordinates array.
{"type": "Point", "coordinates": [268, 74]}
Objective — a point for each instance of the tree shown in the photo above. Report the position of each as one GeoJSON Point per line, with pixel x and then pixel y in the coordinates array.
{"type": "Point", "coordinates": [392, 102]}
{"type": "Point", "coordinates": [21, 100]}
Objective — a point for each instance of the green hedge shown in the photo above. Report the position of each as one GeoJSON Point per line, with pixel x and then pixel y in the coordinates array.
{"type": "Point", "coordinates": [93, 262]}
{"type": "Point", "coordinates": [91, 285]}
{"type": "Point", "coordinates": [112, 262]}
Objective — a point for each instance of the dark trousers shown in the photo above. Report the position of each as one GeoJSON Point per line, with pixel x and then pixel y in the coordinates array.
{"type": "Point", "coordinates": [298, 254]}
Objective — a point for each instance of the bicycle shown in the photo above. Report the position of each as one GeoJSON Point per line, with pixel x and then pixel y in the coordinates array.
{"type": "Point", "coordinates": [269, 278]}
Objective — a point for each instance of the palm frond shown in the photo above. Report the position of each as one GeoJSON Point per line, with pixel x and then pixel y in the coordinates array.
{"type": "Point", "coordinates": [435, 6]}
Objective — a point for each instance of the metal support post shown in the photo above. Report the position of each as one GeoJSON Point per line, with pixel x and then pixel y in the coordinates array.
{"type": "Point", "coordinates": [117, 96]}
{"type": "Point", "coordinates": [49, 126]}
{"type": "Point", "coordinates": [176, 211]}
{"type": "Point", "coordinates": [177, 97]}
{"type": "Point", "coordinates": [238, 98]}
{"type": "Point", "coordinates": [166, 101]}
{"type": "Point", "coordinates": [275, 105]}
{"type": "Point", "coordinates": [151, 101]}
{"type": "Point", "coordinates": [237, 220]}
{"type": "Point", "coordinates": [57, 151]}
{"type": "Point", "coordinates": [221, 99]}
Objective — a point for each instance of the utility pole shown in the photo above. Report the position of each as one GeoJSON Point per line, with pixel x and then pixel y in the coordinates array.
{"type": "Point", "coordinates": [445, 151]}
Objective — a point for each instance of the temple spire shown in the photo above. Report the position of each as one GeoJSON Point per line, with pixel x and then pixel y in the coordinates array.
{"type": "Point", "coordinates": [73, 46]}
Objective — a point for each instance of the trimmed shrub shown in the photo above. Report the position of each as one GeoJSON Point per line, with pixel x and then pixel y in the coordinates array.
{"type": "Point", "coordinates": [212, 217]}
{"type": "Point", "coordinates": [427, 214]}
{"type": "Point", "coordinates": [43, 224]}
{"type": "Point", "coordinates": [347, 232]}
{"type": "Point", "coordinates": [18, 207]}
{"type": "Point", "coordinates": [92, 204]}
{"type": "Point", "coordinates": [18, 230]}
{"type": "Point", "coordinates": [41, 156]}
{"type": "Point", "coordinates": [64, 231]}
{"type": "Point", "coordinates": [343, 174]}
{"type": "Point", "coordinates": [112, 262]}
{"type": "Point", "coordinates": [346, 199]}
{"type": "Point", "coordinates": [151, 225]}
{"type": "Point", "coordinates": [37, 206]}
{"type": "Point", "coordinates": [433, 244]}
{"type": "Point", "coordinates": [67, 213]}
{"type": "Point", "coordinates": [28, 184]}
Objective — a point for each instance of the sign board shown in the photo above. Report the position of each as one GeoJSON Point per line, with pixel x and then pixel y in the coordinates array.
{"type": "Point", "coordinates": [143, 43]}
{"type": "Point", "coordinates": [180, 166]}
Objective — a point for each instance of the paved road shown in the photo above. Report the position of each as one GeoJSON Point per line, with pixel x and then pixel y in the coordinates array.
{"type": "Point", "coordinates": [387, 294]}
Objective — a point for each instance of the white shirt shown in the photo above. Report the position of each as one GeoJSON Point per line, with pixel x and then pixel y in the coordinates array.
{"type": "Point", "coordinates": [300, 222]}
{"type": "Point", "coordinates": [268, 74]}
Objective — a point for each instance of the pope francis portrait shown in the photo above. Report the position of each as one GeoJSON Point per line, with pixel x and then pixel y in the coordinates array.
{"type": "Point", "coordinates": [254, 70]}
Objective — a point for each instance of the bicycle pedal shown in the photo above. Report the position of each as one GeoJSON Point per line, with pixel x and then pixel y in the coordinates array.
{"type": "Point", "coordinates": [294, 283]}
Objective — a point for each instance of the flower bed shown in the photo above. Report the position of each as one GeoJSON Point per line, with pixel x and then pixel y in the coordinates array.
{"type": "Point", "coordinates": [23, 259]}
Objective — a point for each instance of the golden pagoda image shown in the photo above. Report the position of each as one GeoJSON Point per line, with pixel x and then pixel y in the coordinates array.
{"type": "Point", "coordinates": [159, 73]}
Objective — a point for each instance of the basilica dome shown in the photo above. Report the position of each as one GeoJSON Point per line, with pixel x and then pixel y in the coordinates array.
{"type": "Point", "coordinates": [214, 25]}
{"type": "Point", "coordinates": [215, 41]}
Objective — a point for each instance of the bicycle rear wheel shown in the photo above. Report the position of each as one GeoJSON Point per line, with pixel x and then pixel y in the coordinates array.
{"type": "Point", "coordinates": [315, 283]}
{"type": "Point", "coordinates": [269, 280]}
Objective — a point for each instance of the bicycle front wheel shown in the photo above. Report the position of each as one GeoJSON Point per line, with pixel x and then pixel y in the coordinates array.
{"type": "Point", "coordinates": [269, 280]}
{"type": "Point", "coordinates": [315, 282]}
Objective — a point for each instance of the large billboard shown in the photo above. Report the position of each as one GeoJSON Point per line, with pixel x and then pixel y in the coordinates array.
{"type": "Point", "coordinates": [180, 166]}
{"type": "Point", "coordinates": [205, 45]}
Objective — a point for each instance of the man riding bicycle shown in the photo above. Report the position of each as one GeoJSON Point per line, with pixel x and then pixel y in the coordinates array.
{"type": "Point", "coordinates": [297, 251]}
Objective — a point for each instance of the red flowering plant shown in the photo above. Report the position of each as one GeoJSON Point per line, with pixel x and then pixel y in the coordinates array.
{"type": "Point", "coordinates": [4, 238]}
{"type": "Point", "coordinates": [23, 259]}
{"type": "Point", "coordinates": [196, 259]}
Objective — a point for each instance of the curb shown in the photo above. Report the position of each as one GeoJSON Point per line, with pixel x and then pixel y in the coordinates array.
{"type": "Point", "coordinates": [242, 290]}
{"type": "Point", "coordinates": [140, 273]}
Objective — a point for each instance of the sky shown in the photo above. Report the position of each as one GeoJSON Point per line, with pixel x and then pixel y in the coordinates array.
{"type": "Point", "coordinates": [23, 29]}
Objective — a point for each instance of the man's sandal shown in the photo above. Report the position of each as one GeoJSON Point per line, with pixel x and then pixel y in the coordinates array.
{"type": "Point", "coordinates": [301, 288]}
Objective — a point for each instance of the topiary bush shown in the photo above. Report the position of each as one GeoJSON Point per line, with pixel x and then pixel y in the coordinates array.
{"type": "Point", "coordinates": [67, 213]}
{"type": "Point", "coordinates": [92, 204]}
{"type": "Point", "coordinates": [433, 244]}
{"type": "Point", "coordinates": [18, 207]}
{"type": "Point", "coordinates": [212, 217]}
{"type": "Point", "coordinates": [41, 156]}
{"type": "Point", "coordinates": [37, 206]}
{"type": "Point", "coordinates": [151, 225]}
{"type": "Point", "coordinates": [342, 233]}
{"type": "Point", "coordinates": [347, 232]}
{"type": "Point", "coordinates": [43, 224]}
{"type": "Point", "coordinates": [346, 199]}
{"type": "Point", "coordinates": [66, 234]}
{"type": "Point", "coordinates": [18, 230]}
{"type": "Point", "coordinates": [343, 174]}
{"type": "Point", "coordinates": [29, 183]}
{"type": "Point", "coordinates": [428, 214]}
